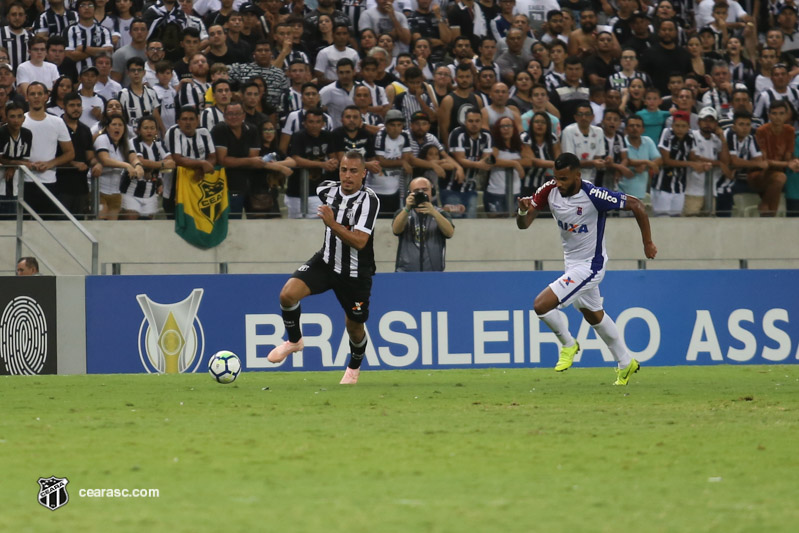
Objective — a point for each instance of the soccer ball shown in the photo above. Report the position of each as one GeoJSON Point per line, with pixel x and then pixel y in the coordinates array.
{"type": "Point", "coordinates": [224, 367]}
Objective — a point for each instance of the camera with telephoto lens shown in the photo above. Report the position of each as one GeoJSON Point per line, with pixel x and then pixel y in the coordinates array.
{"type": "Point", "coordinates": [420, 197]}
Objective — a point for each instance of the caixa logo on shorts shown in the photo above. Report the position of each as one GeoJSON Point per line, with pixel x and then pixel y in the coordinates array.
{"type": "Point", "coordinates": [53, 492]}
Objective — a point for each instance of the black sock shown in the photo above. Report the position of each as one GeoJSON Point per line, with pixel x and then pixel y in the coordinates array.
{"type": "Point", "coordinates": [291, 319]}
{"type": "Point", "coordinates": [356, 353]}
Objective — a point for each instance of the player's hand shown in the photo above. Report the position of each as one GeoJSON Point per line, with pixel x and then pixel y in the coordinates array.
{"type": "Point", "coordinates": [326, 214]}
{"type": "Point", "coordinates": [650, 250]}
{"type": "Point", "coordinates": [526, 203]}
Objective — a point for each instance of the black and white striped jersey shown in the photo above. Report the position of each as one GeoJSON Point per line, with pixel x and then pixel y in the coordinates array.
{"type": "Point", "coordinates": [78, 36]}
{"type": "Point", "coordinates": [296, 121]}
{"type": "Point", "coordinates": [474, 150]}
{"type": "Point", "coordinates": [746, 149]}
{"type": "Point", "coordinates": [16, 44]}
{"type": "Point", "coordinates": [199, 146]}
{"type": "Point", "coordinates": [192, 93]}
{"type": "Point", "coordinates": [536, 176]}
{"type": "Point", "coordinates": [11, 148]}
{"type": "Point", "coordinates": [357, 211]}
{"type": "Point", "coordinates": [764, 100]}
{"type": "Point", "coordinates": [210, 117]}
{"type": "Point", "coordinates": [156, 151]}
{"type": "Point", "coordinates": [672, 179]}
{"type": "Point", "coordinates": [52, 23]}
{"type": "Point", "coordinates": [139, 105]}
{"type": "Point", "coordinates": [620, 80]}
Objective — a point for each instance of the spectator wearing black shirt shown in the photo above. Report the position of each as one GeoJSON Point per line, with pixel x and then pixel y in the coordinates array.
{"type": "Point", "coordinates": [353, 136]}
{"type": "Point", "coordinates": [57, 55]}
{"type": "Point", "coordinates": [600, 66]}
{"type": "Point", "coordinates": [72, 189]}
{"type": "Point", "coordinates": [237, 147]}
{"type": "Point", "coordinates": [312, 149]}
{"type": "Point", "coordinates": [427, 22]}
{"type": "Point", "coordinates": [572, 93]}
{"type": "Point", "coordinates": [665, 57]}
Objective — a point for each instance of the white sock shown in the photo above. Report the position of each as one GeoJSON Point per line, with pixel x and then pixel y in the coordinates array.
{"type": "Point", "coordinates": [610, 334]}
{"type": "Point", "coordinates": [557, 323]}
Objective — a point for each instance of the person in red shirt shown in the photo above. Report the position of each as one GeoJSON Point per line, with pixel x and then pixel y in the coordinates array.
{"type": "Point", "coordinates": [776, 140]}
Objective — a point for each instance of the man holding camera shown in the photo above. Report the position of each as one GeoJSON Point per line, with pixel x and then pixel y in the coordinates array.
{"type": "Point", "coordinates": [423, 230]}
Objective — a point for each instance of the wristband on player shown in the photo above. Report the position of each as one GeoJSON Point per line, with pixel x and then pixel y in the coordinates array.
{"type": "Point", "coordinates": [522, 213]}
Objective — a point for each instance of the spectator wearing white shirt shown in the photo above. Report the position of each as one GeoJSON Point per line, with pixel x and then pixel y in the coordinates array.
{"type": "Point", "coordinates": [328, 57]}
{"type": "Point", "coordinates": [48, 133]}
{"type": "Point", "coordinates": [585, 141]}
{"type": "Point", "coordinates": [105, 87]}
{"type": "Point", "coordinates": [36, 69]}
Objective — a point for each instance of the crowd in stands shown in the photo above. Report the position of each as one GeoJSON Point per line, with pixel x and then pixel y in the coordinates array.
{"type": "Point", "coordinates": [685, 104]}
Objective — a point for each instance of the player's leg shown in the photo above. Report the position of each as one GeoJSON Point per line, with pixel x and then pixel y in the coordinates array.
{"type": "Point", "coordinates": [546, 307]}
{"type": "Point", "coordinates": [590, 305]}
{"type": "Point", "coordinates": [353, 295]}
{"type": "Point", "coordinates": [310, 278]}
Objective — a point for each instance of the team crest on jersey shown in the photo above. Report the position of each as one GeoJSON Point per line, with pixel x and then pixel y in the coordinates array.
{"type": "Point", "coordinates": [580, 210]}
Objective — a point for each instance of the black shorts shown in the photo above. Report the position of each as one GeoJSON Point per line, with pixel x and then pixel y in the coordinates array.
{"type": "Point", "coordinates": [352, 293]}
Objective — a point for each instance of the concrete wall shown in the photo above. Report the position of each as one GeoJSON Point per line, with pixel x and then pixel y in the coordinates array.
{"type": "Point", "coordinates": [278, 246]}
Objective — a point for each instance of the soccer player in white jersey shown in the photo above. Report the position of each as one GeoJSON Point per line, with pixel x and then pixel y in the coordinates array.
{"type": "Point", "coordinates": [580, 209]}
{"type": "Point", "coordinates": [345, 263]}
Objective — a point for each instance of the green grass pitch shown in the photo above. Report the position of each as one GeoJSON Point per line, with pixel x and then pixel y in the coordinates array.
{"type": "Point", "coordinates": [685, 449]}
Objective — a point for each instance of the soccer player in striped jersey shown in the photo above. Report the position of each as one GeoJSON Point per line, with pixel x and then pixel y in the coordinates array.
{"type": "Point", "coordinates": [580, 209]}
{"type": "Point", "coordinates": [345, 263]}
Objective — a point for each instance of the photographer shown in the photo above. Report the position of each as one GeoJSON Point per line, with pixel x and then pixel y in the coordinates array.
{"type": "Point", "coordinates": [421, 251]}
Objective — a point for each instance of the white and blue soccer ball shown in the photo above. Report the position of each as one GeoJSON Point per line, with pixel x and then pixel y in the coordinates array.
{"type": "Point", "coordinates": [224, 366]}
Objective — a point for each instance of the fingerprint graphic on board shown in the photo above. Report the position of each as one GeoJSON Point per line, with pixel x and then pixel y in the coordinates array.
{"type": "Point", "coordinates": [23, 336]}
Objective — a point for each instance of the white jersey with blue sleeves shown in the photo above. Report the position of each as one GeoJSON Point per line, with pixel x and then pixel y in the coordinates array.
{"type": "Point", "coordinates": [581, 219]}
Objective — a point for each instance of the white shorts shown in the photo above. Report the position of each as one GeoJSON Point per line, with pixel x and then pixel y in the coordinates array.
{"type": "Point", "coordinates": [294, 206]}
{"type": "Point", "coordinates": [579, 286]}
{"type": "Point", "coordinates": [667, 203]}
{"type": "Point", "coordinates": [143, 206]}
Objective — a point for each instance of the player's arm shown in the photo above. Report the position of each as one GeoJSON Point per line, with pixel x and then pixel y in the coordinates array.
{"type": "Point", "coordinates": [526, 213]}
{"type": "Point", "coordinates": [639, 210]}
{"type": "Point", "coordinates": [354, 238]}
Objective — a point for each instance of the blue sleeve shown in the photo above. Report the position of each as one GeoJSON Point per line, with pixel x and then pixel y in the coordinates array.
{"type": "Point", "coordinates": [604, 199]}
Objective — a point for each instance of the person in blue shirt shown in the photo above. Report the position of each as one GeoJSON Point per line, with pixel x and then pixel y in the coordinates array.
{"type": "Point", "coordinates": [654, 118]}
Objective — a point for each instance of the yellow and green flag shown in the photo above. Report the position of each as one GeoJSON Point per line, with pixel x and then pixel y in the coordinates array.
{"type": "Point", "coordinates": [201, 207]}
